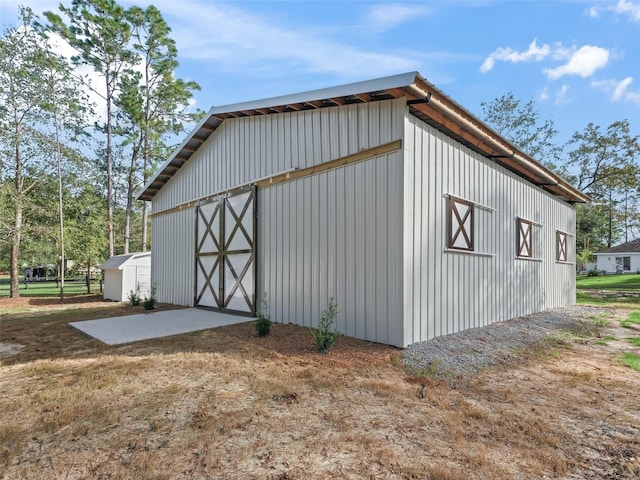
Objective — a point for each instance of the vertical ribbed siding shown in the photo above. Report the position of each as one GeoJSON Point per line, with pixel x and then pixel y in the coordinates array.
{"type": "Point", "coordinates": [244, 149]}
{"type": "Point", "coordinates": [336, 234]}
{"type": "Point", "coordinates": [248, 148]}
{"type": "Point", "coordinates": [173, 257]}
{"type": "Point", "coordinates": [449, 292]}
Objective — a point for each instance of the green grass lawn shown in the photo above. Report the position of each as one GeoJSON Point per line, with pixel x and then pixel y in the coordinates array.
{"type": "Point", "coordinates": [610, 282]}
{"type": "Point", "coordinates": [49, 289]}
{"type": "Point", "coordinates": [630, 360]}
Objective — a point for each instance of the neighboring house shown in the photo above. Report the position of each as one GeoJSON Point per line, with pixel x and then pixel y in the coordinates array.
{"type": "Point", "coordinates": [386, 195]}
{"type": "Point", "coordinates": [127, 273]}
{"type": "Point", "coordinates": [623, 258]}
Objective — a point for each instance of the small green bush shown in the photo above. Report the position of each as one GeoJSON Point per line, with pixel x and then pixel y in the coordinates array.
{"type": "Point", "coordinates": [326, 335]}
{"type": "Point", "coordinates": [149, 303]}
{"type": "Point", "coordinates": [593, 273]}
{"type": "Point", "coordinates": [134, 298]}
{"type": "Point", "coordinates": [263, 322]}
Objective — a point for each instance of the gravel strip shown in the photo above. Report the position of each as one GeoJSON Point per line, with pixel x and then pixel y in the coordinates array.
{"type": "Point", "coordinates": [471, 351]}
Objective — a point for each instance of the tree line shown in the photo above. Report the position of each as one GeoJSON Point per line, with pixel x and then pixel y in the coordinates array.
{"type": "Point", "coordinates": [81, 134]}
{"type": "Point", "coordinates": [600, 161]}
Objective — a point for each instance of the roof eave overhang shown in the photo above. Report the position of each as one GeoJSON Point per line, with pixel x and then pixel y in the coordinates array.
{"type": "Point", "coordinates": [425, 101]}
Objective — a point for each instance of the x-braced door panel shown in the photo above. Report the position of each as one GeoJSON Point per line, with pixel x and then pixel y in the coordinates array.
{"type": "Point", "coordinates": [225, 253]}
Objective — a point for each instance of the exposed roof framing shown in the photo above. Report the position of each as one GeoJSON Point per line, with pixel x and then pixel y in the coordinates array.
{"type": "Point", "coordinates": [424, 100]}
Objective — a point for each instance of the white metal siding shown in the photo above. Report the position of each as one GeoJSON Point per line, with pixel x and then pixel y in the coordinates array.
{"type": "Point", "coordinates": [245, 149]}
{"type": "Point", "coordinates": [173, 257]}
{"type": "Point", "coordinates": [248, 148]}
{"type": "Point", "coordinates": [449, 292]}
{"type": "Point", "coordinates": [336, 234]}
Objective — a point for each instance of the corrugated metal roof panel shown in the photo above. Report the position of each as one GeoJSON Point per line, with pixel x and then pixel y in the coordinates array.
{"type": "Point", "coordinates": [118, 261]}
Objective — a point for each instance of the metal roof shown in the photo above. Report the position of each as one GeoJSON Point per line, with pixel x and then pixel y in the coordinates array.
{"type": "Point", "coordinates": [118, 261]}
{"type": "Point", "coordinates": [425, 101]}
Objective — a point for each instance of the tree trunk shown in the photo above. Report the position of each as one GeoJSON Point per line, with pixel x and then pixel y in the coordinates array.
{"type": "Point", "coordinates": [145, 221]}
{"type": "Point", "coordinates": [109, 173]}
{"type": "Point", "coordinates": [88, 277]}
{"type": "Point", "coordinates": [60, 212]}
{"type": "Point", "coordinates": [15, 254]}
{"type": "Point", "coordinates": [129, 211]}
{"type": "Point", "coordinates": [145, 156]}
{"type": "Point", "coordinates": [17, 225]}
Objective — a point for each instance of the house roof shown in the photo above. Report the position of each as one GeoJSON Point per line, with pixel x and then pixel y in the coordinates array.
{"type": "Point", "coordinates": [118, 261]}
{"type": "Point", "coordinates": [425, 101]}
{"type": "Point", "coordinates": [630, 247]}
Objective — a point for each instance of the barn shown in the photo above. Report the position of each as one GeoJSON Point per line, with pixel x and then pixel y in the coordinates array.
{"type": "Point", "coordinates": [386, 195]}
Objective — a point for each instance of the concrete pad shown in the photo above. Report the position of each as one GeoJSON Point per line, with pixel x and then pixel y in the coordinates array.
{"type": "Point", "coordinates": [133, 328]}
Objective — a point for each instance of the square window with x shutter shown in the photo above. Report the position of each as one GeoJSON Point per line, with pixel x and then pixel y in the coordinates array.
{"type": "Point", "coordinates": [524, 238]}
{"type": "Point", "coordinates": [461, 224]}
{"type": "Point", "coordinates": [561, 247]}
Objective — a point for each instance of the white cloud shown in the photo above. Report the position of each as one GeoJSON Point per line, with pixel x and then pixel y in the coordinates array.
{"type": "Point", "coordinates": [243, 40]}
{"type": "Point", "coordinates": [584, 62]}
{"type": "Point", "coordinates": [544, 95]}
{"type": "Point", "coordinates": [387, 16]}
{"type": "Point", "coordinates": [619, 90]}
{"type": "Point", "coordinates": [534, 53]}
{"type": "Point", "coordinates": [623, 7]}
{"type": "Point", "coordinates": [561, 95]}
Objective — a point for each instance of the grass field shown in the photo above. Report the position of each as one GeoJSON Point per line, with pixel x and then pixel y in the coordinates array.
{"type": "Point", "coordinates": [224, 403]}
{"type": "Point", "coordinates": [609, 282]}
{"type": "Point", "coordinates": [49, 289]}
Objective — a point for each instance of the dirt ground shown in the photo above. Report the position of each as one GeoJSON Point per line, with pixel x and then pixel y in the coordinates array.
{"type": "Point", "coordinates": [224, 403]}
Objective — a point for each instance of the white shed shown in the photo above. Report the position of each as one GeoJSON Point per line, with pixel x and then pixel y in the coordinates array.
{"type": "Point", "coordinates": [126, 273]}
{"type": "Point", "coordinates": [417, 218]}
{"type": "Point", "coordinates": [623, 258]}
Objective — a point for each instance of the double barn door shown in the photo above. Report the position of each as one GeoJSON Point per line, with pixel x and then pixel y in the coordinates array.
{"type": "Point", "coordinates": [225, 253]}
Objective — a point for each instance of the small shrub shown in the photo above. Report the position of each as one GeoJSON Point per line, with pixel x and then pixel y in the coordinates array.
{"type": "Point", "coordinates": [263, 322]}
{"type": "Point", "coordinates": [134, 298]}
{"type": "Point", "coordinates": [149, 303]}
{"type": "Point", "coordinates": [326, 335]}
{"type": "Point", "coordinates": [593, 273]}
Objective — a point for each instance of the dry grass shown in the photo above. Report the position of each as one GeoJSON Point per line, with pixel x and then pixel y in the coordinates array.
{"type": "Point", "coordinates": [226, 404]}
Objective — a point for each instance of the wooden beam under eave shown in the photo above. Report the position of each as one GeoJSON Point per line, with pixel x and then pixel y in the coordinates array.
{"type": "Point", "coordinates": [439, 118]}
{"type": "Point", "coordinates": [199, 139]}
{"type": "Point", "coordinates": [293, 106]}
{"type": "Point", "coordinates": [365, 97]}
{"type": "Point", "coordinates": [315, 103]}
{"type": "Point", "coordinates": [189, 148]}
{"type": "Point", "coordinates": [339, 101]}
{"type": "Point", "coordinates": [263, 111]}
{"type": "Point", "coordinates": [521, 170]}
{"type": "Point", "coordinates": [399, 93]}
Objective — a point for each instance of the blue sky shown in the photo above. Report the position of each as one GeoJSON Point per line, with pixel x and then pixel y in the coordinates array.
{"type": "Point", "coordinates": [577, 59]}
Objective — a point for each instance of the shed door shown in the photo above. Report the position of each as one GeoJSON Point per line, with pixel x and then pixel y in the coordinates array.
{"type": "Point", "coordinates": [225, 253]}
